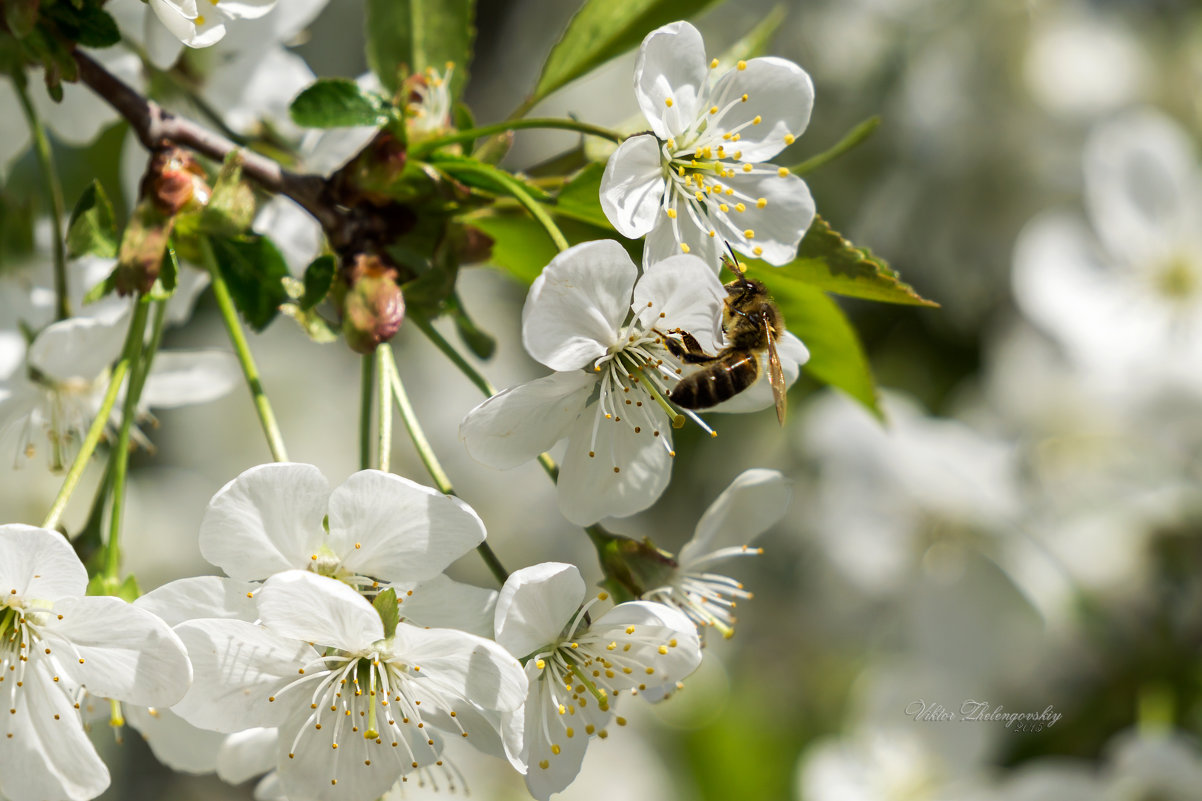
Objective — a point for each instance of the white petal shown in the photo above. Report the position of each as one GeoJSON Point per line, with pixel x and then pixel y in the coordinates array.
{"type": "Point", "coordinates": [236, 667]}
{"type": "Point", "coordinates": [535, 604]}
{"type": "Point", "coordinates": [655, 625]}
{"type": "Point", "coordinates": [681, 292]}
{"type": "Point", "coordinates": [778, 227]}
{"type": "Point", "coordinates": [670, 237]}
{"type": "Point", "coordinates": [246, 9]}
{"type": "Point", "coordinates": [319, 610]}
{"type": "Point", "coordinates": [590, 489]}
{"type": "Point", "coordinates": [779, 92]}
{"type": "Point", "coordinates": [180, 378]}
{"type": "Point", "coordinates": [163, 46]}
{"type": "Point", "coordinates": [358, 770]}
{"type": "Point", "coordinates": [671, 66]}
{"type": "Point", "coordinates": [517, 424]}
{"type": "Point", "coordinates": [394, 529]}
{"type": "Point", "coordinates": [200, 597]}
{"type": "Point", "coordinates": [48, 755]}
{"type": "Point", "coordinates": [258, 86]}
{"type": "Point", "coordinates": [632, 188]}
{"type": "Point", "coordinates": [39, 564]}
{"type": "Point", "coordinates": [266, 520]}
{"type": "Point", "coordinates": [175, 742]}
{"type": "Point", "coordinates": [1141, 185]}
{"type": "Point", "coordinates": [465, 666]}
{"type": "Point", "coordinates": [81, 347]}
{"type": "Point", "coordinates": [755, 501]}
{"type": "Point", "coordinates": [119, 651]}
{"type": "Point", "coordinates": [542, 721]}
{"type": "Point", "coordinates": [281, 26]}
{"type": "Point", "coordinates": [441, 602]}
{"type": "Point", "coordinates": [246, 754]}
{"type": "Point", "coordinates": [269, 789]}
{"type": "Point", "coordinates": [576, 306]}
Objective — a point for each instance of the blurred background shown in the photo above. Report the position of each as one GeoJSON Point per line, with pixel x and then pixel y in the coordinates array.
{"type": "Point", "coordinates": [1024, 527]}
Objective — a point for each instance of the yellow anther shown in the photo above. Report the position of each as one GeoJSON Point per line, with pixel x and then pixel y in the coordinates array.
{"type": "Point", "coordinates": [782, 172]}
{"type": "Point", "coordinates": [714, 64]}
{"type": "Point", "coordinates": [555, 749]}
{"type": "Point", "coordinates": [757, 250]}
{"type": "Point", "coordinates": [621, 721]}
{"type": "Point", "coordinates": [742, 65]}
{"type": "Point", "coordinates": [712, 233]}
{"type": "Point", "coordinates": [713, 109]}
{"type": "Point", "coordinates": [747, 168]}
{"type": "Point", "coordinates": [630, 629]}
{"type": "Point", "coordinates": [743, 98]}
{"type": "Point", "coordinates": [740, 207]}
{"type": "Point", "coordinates": [668, 102]}
{"type": "Point", "coordinates": [663, 649]}
{"type": "Point", "coordinates": [723, 207]}
{"type": "Point", "coordinates": [603, 596]}
{"type": "Point", "coordinates": [570, 732]}
{"type": "Point", "coordinates": [671, 214]}
{"type": "Point", "coordinates": [544, 764]}
{"type": "Point", "coordinates": [540, 664]}
{"type": "Point", "coordinates": [200, 20]}
{"type": "Point", "coordinates": [759, 204]}
{"type": "Point", "coordinates": [750, 234]}
{"type": "Point", "coordinates": [684, 249]}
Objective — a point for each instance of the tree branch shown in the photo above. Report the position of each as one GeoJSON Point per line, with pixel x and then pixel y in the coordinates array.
{"type": "Point", "coordinates": [154, 125]}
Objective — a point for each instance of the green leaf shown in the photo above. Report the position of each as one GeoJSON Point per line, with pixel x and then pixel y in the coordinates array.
{"type": "Point", "coordinates": [829, 262]}
{"type": "Point", "coordinates": [836, 355]}
{"type": "Point", "coordinates": [522, 248]}
{"type": "Point", "coordinates": [164, 285]}
{"type": "Point", "coordinates": [580, 198]}
{"type": "Point", "coordinates": [386, 607]}
{"type": "Point", "coordinates": [339, 103]}
{"type": "Point", "coordinates": [89, 25]}
{"type": "Point", "coordinates": [319, 275]}
{"type": "Point", "coordinates": [91, 230]}
{"type": "Point", "coordinates": [254, 271]}
{"type": "Point", "coordinates": [418, 34]}
{"type": "Point", "coordinates": [478, 341]}
{"type": "Point", "coordinates": [604, 29]}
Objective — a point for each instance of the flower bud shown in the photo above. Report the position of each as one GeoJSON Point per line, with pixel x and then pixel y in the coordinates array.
{"type": "Point", "coordinates": [140, 257]}
{"type": "Point", "coordinates": [174, 181]}
{"type": "Point", "coordinates": [370, 302]}
{"type": "Point", "coordinates": [632, 568]}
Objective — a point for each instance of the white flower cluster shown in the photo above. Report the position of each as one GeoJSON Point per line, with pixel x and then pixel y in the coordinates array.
{"type": "Point", "coordinates": [335, 657]}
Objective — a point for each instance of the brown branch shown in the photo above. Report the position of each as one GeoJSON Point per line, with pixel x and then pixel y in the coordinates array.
{"type": "Point", "coordinates": [154, 126]}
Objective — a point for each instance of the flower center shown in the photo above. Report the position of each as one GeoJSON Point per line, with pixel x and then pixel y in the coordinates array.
{"type": "Point", "coordinates": [370, 695]}
{"type": "Point", "coordinates": [1179, 280]}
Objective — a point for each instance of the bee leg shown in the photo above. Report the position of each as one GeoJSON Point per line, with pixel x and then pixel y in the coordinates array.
{"type": "Point", "coordinates": [687, 348]}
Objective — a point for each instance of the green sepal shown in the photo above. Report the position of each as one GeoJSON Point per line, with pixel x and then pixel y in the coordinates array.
{"type": "Point", "coordinates": [20, 16]}
{"type": "Point", "coordinates": [91, 230]}
{"type": "Point", "coordinates": [340, 103]}
{"type": "Point", "coordinates": [386, 607]}
{"type": "Point", "coordinates": [231, 207]}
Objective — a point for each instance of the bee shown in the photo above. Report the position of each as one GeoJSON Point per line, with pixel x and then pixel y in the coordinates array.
{"type": "Point", "coordinates": [752, 324]}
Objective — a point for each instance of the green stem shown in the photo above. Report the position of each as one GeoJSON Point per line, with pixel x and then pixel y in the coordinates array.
{"type": "Point", "coordinates": [852, 138]}
{"type": "Point", "coordinates": [472, 134]}
{"type": "Point", "coordinates": [366, 383]}
{"type": "Point", "coordinates": [519, 193]}
{"type": "Point", "coordinates": [41, 146]}
{"type": "Point", "coordinates": [384, 401]}
{"type": "Point", "coordinates": [133, 339]}
{"type": "Point", "coordinates": [426, 453]}
{"type": "Point", "coordinates": [119, 457]}
{"type": "Point", "coordinates": [229, 315]}
{"type": "Point", "coordinates": [474, 375]}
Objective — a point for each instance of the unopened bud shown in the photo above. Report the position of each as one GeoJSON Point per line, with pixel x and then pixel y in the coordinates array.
{"type": "Point", "coordinates": [632, 567]}
{"type": "Point", "coordinates": [143, 245]}
{"type": "Point", "coordinates": [174, 181]}
{"type": "Point", "coordinates": [372, 305]}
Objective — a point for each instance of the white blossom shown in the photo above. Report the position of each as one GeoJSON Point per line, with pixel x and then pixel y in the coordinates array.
{"type": "Point", "coordinates": [577, 668]}
{"type": "Point", "coordinates": [356, 706]}
{"type": "Point", "coordinates": [601, 327]}
{"type": "Point", "coordinates": [754, 501]}
{"type": "Point", "coordinates": [56, 644]}
{"type": "Point", "coordinates": [201, 23]}
{"type": "Point", "coordinates": [700, 177]}
{"type": "Point", "coordinates": [58, 391]}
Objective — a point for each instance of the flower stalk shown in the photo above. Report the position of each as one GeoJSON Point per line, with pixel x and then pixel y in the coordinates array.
{"type": "Point", "coordinates": [229, 315]}
{"type": "Point", "coordinates": [54, 191]}
{"type": "Point", "coordinates": [472, 134]}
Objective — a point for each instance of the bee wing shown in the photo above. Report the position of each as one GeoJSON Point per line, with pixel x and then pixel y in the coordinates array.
{"type": "Point", "coordinates": [776, 375]}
